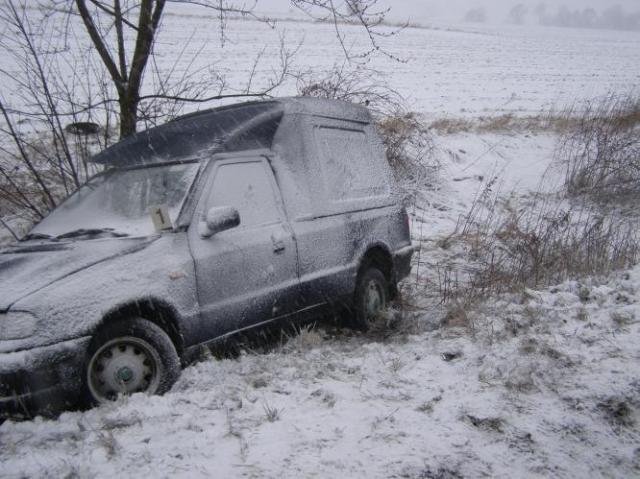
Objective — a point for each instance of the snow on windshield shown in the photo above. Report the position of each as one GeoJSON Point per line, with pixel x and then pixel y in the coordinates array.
{"type": "Point", "coordinates": [120, 200]}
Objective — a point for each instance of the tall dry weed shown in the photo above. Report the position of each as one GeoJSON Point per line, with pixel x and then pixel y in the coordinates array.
{"type": "Point", "coordinates": [601, 151]}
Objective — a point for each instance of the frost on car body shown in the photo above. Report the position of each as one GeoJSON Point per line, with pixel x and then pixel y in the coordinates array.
{"type": "Point", "coordinates": [276, 209]}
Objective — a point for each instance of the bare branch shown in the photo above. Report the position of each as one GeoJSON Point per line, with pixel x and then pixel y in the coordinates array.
{"type": "Point", "coordinates": [116, 12]}
{"type": "Point", "coordinates": [119, 20]}
{"type": "Point", "coordinates": [100, 45]}
{"type": "Point", "coordinates": [9, 229]}
{"type": "Point", "coordinates": [364, 13]}
{"type": "Point", "coordinates": [147, 25]}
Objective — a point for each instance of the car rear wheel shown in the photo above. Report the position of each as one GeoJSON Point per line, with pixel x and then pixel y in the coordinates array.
{"type": "Point", "coordinates": [130, 356]}
{"type": "Point", "coordinates": [371, 299]}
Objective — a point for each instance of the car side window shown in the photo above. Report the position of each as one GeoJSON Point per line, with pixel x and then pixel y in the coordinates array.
{"type": "Point", "coordinates": [247, 187]}
{"type": "Point", "coordinates": [349, 168]}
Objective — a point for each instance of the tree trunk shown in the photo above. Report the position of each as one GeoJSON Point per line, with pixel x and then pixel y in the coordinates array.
{"type": "Point", "coordinates": [128, 113]}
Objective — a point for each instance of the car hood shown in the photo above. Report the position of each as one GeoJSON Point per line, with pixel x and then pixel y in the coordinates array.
{"type": "Point", "coordinates": [29, 267]}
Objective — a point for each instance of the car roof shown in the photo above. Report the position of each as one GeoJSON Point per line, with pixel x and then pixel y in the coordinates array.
{"type": "Point", "coordinates": [305, 105]}
{"type": "Point", "coordinates": [237, 127]}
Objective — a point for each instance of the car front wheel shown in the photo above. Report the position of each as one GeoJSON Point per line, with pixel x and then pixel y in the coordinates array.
{"type": "Point", "coordinates": [130, 356]}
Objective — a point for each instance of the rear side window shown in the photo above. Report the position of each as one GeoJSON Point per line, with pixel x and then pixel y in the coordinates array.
{"type": "Point", "coordinates": [248, 188]}
{"type": "Point", "coordinates": [350, 169]}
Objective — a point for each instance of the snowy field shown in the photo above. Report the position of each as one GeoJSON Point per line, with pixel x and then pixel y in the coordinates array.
{"type": "Point", "coordinates": [448, 71]}
{"type": "Point", "coordinates": [543, 384]}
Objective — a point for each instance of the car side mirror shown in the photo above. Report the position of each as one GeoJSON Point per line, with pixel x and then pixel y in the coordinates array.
{"type": "Point", "coordinates": [217, 219]}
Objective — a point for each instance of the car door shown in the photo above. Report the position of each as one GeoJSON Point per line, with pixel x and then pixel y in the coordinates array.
{"type": "Point", "coordinates": [248, 274]}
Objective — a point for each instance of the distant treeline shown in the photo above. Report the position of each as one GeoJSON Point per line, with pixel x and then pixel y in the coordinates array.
{"type": "Point", "coordinates": [614, 17]}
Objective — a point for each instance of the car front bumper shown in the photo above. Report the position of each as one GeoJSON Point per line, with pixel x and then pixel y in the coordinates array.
{"type": "Point", "coordinates": [42, 380]}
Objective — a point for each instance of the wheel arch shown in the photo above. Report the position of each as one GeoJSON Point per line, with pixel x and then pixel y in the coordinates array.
{"type": "Point", "coordinates": [153, 309]}
{"type": "Point", "coordinates": [379, 256]}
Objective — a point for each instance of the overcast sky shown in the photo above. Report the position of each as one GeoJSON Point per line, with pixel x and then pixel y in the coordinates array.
{"type": "Point", "coordinates": [424, 11]}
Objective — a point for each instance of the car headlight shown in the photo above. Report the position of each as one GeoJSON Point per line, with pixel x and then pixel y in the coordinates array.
{"type": "Point", "coordinates": [17, 325]}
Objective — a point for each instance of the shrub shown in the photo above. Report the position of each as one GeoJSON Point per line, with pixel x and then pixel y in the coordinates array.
{"type": "Point", "coordinates": [602, 151]}
{"type": "Point", "coordinates": [409, 148]}
{"type": "Point", "coordinates": [511, 246]}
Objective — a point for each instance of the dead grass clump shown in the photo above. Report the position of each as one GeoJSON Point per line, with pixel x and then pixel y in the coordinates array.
{"type": "Point", "coordinates": [558, 122]}
{"type": "Point", "coordinates": [514, 246]}
{"type": "Point", "coordinates": [450, 126]}
{"type": "Point", "coordinates": [602, 151]}
{"type": "Point", "coordinates": [488, 124]}
{"type": "Point", "coordinates": [488, 424]}
{"type": "Point", "coordinates": [409, 147]}
{"type": "Point", "coordinates": [440, 472]}
{"type": "Point", "coordinates": [499, 123]}
{"type": "Point", "coordinates": [271, 414]}
{"type": "Point", "coordinates": [581, 124]}
{"type": "Point", "coordinates": [617, 411]}
{"type": "Point", "coordinates": [301, 339]}
{"type": "Point", "coordinates": [427, 406]}
{"type": "Point", "coordinates": [623, 318]}
{"type": "Point", "coordinates": [457, 315]}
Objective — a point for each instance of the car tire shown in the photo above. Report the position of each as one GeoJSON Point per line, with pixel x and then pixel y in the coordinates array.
{"type": "Point", "coordinates": [371, 299]}
{"type": "Point", "coordinates": [130, 356]}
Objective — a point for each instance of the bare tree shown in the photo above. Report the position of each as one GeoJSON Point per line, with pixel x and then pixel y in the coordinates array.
{"type": "Point", "coordinates": [124, 34]}
{"type": "Point", "coordinates": [39, 161]}
{"type": "Point", "coordinates": [517, 14]}
{"type": "Point", "coordinates": [476, 15]}
{"type": "Point", "coordinates": [126, 75]}
{"type": "Point", "coordinates": [540, 11]}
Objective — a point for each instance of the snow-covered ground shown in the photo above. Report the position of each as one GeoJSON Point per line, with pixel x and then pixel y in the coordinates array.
{"type": "Point", "coordinates": [544, 384]}
{"type": "Point", "coordinates": [540, 384]}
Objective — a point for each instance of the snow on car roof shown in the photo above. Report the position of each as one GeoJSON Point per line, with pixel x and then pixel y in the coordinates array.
{"type": "Point", "coordinates": [237, 127]}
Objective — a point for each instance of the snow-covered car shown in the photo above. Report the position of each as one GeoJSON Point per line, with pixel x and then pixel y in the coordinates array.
{"type": "Point", "coordinates": [209, 225]}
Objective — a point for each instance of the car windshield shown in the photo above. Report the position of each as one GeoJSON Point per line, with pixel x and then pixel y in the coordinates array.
{"type": "Point", "coordinates": [118, 203]}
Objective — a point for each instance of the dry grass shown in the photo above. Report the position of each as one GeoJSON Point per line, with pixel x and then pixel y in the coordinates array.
{"type": "Point", "coordinates": [619, 412]}
{"type": "Point", "coordinates": [500, 124]}
{"type": "Point", "coordinates": [300, 339]}
{"type": "Point", "coordinates": [450, 126]}
{"type": "Point", "coordinates": [409, 148]}
{"type": "Point", "coordinates": [602, 151]}
{"type": "Point", "coordinates": [271, 414]}
{"type": "Point", "coordinates": [615, 113]}
{"type": "Point", "coordinates": [511, 246]}
{"type": "Point", "coordinates": [510, 243]}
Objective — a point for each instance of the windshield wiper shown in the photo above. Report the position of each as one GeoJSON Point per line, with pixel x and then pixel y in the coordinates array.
{"type": "Point", "coordinates": [91, 232]}
{"type": "Point", "coordinates": [35, 236]}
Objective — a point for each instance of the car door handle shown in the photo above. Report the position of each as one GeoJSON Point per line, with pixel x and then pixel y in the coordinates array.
{"type": "Point", "coordinates": [278, 244]}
